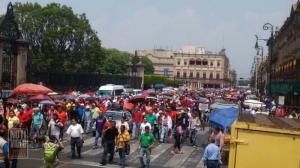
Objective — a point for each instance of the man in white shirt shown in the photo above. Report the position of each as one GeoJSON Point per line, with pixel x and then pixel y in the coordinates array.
{"type": "Point", "coordinates": [144, 124]}
{"type": "Point", "coordinates": [75, 137]}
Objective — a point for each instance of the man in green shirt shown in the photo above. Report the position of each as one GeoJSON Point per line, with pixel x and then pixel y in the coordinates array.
{"type": "Point", "coordinates": [146, 142]}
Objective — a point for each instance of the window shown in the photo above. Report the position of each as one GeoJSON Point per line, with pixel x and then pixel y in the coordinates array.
{"type": "Point", "coordinates": [210, 76]}
{"type": "Point", "coordinates": [178, 62]}
{"type": "Point", "coordinates": [178, 74]}
{"type": "Point", "coordinates": [218, 64]}
{"type": "Point", "coordinates": [211, 63]}
{"type": "Point", "coordinates": [218, 76]}
{"type": "Point", "coordinates": [191, 74]}
{"type": "Point", "coordinates": [184, 74]}
{"type": "Point", "coordinates": [198, 75]}
{"type": "Point", "coordinates": [204, 75]}
{"type": "Point", "coordinates": [198, 62]}
{"type": "Point", "coordinates": [192, 62]}
{"type": "Point", "coordinates": [185, 62]}
{"type": "Point", "coordinates": [204, 62]}
{"type": "Point", "coordinates": [166, 72]}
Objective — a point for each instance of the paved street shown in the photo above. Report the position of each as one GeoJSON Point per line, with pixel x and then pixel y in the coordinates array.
{"type": "Point", "coordinates": [161, 156]}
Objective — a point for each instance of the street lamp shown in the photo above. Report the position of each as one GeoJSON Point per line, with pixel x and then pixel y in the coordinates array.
{"type": "Point", "coordinates": [260, 51]}
{"type": "Point", "coordinates": [269, 26]}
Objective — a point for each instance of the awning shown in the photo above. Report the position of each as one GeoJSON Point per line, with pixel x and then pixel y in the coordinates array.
{"type": "Point", "coordinates": [286, 87]}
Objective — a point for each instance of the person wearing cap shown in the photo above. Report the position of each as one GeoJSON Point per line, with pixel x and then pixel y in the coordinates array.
{"type": "Point", "coordinates": [87, 119]}
{"type": "Point", "coordinates": [146, 142]}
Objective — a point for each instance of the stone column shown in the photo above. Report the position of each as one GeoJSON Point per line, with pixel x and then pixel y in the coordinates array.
{"type": "Point", "coordinates": [22, 48]}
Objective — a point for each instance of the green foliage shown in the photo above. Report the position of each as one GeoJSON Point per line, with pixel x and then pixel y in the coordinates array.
{"type": "Point", "coordinates": [116, 61]}
{"type": "Point", "coordinates": [149, 69]}
{"type": "Point", "coordinates": [155, 79]}
{"type": "Point", "coordinates": [58, 39]}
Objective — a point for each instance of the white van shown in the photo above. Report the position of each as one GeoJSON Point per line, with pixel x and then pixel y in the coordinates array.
{"type": "Point", "coordinates": [110, 90]}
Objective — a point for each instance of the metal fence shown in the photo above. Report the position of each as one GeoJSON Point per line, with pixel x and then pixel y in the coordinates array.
{"type": "Point", "coordinates": [82, 81]}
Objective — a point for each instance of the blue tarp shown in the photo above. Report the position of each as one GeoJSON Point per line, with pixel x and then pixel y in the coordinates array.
{"type": "Point", "coordinates": [222, 106]}
{"type": "Point", "coordinates": [223, 118]}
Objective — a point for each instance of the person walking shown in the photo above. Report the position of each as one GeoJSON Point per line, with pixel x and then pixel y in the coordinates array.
{"type": "Point", "coordinates": [100, 121]}
{"type": "Point", "coordinates": [146, 141]}
{"type": "Point", "coordinates": [122, 139]}
{"type": "Point", "coordinates": [4, 146]}
{"type": "Point", "coordinates": [123, 122]}
{"type": "Point", "coordinates": [109, 136]}
{"type": "Point", "coordinates": [194, 126]}
{"type": "Point", "coordinates": [212, 157]}
{"type": "Point", "coordinates": [87, 118]}
{"type": "Point", "coordinates": [75, 136]}
{"type": "Point", "coordinates": [166, 124]}
{"type": "Point", "coordinates": [218, 135]}
{"type": "Point", "coordinates": [177, 134]}
{"type": "Point", "coordinates": [144, 125]}
{"type": "Point", "coordinates": [137, 120]}
{"type": "Point", "coordinates": [54, 127]}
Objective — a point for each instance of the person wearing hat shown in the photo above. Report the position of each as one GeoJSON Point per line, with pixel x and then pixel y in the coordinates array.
{"type": "Point", "coordinates": [146, 142]}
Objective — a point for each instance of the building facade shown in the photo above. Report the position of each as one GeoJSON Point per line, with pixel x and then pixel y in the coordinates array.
{"type": "Point", "coordinates": [162, 60]}
{"type": "Point", "coordinates": [202, 70]}
{"type": "Point", "coordinates": [285, 53]}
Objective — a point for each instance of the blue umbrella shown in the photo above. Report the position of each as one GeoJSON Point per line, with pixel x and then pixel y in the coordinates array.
{"type": "Point", "coordinates": [223, 117]}
{"type": "Point", "coordinates": [47, 102]}
{"type": "Point", "coordinates": [70, 97]}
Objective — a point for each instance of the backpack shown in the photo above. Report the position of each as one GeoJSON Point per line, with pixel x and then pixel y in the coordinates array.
{"type": "Point", "coordinates": [50, 152]}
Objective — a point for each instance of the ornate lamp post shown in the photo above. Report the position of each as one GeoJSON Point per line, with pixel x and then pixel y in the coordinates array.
{"type": "Point", "coordinates": [266, 27]}
{"type": "Point", "coordinates": [260, 51]}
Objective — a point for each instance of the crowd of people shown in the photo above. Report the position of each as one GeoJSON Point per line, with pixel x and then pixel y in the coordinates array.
{"type": "Point", "coordinates": [164, 117]}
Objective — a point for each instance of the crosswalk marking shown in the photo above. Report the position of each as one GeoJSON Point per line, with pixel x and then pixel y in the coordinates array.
{"type": "Point", "coordinates": [87, 142]}
{"type": "Point", "coordinates": [93, 164]}
{"type": "Point", "coordinates": [160, 149]}
{"type": "Point", "coordinates": [178, 159]}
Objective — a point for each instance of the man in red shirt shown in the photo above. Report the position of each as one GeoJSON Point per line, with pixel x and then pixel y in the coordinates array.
{"type": "Point", "coordinates": [63, 118]}
{"type": "Point", "coordinates": [27, 117]}
{"type": "Point", "coordinates": [137, 120]}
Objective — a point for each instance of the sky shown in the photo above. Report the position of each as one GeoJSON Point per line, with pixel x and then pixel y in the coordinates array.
{"type": "Point", "coordinates": [170, 24]}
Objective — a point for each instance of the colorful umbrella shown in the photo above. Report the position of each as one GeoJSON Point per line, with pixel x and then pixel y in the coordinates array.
{"type": "Point", "coordinates": [30, 88]}
{"type": "Point", "coordinates": [12, 101]}
{"type": "Point", "coordinates": [47, 102]}
{"type": "Point", "coordinates": [40, 97]}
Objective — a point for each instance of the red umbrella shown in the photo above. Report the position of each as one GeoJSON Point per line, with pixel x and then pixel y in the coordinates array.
{"type": "Point", "coordinates": [187, 102]}
{"type": "Point", "coordinates": [137, 99]}
{"type": "Point", "coordinates": [40, 97]}
{"type": "Point", "coordinates": [29, 88]}
{"type": "Point", "coordinates": [12, 101]}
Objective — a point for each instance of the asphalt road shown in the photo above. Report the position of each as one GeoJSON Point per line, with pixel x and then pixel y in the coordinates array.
{"type": "Point", "coordinates": [161, 156]}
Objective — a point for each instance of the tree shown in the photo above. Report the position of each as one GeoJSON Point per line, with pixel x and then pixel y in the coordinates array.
{"type": "Point", "coordinates": [158, 79]}
{"type": "Point", "coordinates": [59, 40]}
{"type": "Point", "coordinates": [116, 61]}
{"type": "Point", "coordinates": [149, 69]}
